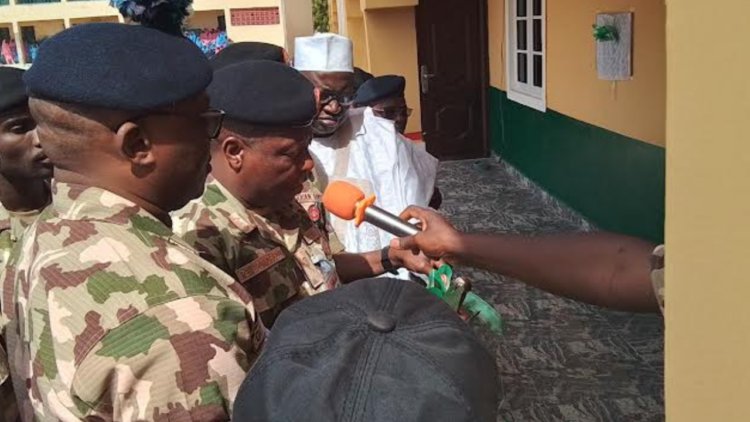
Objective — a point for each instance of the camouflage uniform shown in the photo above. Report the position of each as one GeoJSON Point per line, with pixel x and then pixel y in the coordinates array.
{"type": "Point", "coordinates": [278, 259]}
{"type": "Point", "coordinates": [657, 274]}
{"type": "Point", "coordinates": [12, 225]}
{"type": "Point", "coordinates": [115, 318]}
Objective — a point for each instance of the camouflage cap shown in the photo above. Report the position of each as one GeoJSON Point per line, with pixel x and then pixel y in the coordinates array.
{"type": "Point", "coordinates": [374, 350]}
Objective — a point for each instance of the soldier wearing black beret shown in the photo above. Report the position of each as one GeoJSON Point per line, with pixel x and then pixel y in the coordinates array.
{"type": "Point", "coordinates": [250, 222]}
{"type": "Point", "coordinates": [249, 50]}
{"type": "Point", "coordinates": [385, 94]}
{"type": "Point", "coordinates": [118, 319]}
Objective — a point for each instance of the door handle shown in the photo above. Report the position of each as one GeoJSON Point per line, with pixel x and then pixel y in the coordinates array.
{"type": "Point", "coordinates": [424, 77]}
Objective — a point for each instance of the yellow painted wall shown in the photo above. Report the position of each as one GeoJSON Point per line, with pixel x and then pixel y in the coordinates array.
{"type": "Point", "coordinates": [232, 4]}
{"type": "Point", "coordinates": [98, 19]}
{"type": "Point", "coordinates": [205, 19]}
{"type": "Point", "coordinates": [392, 48]}
{"type": "Point", "coordinates": [45, 28]}
{"type": "Point", "coordinates": [496, 37]}
{"type": "Point", "coordinates": [52, 11]}
{"type": "Point", "coordinates": [333, 16]}
{"type": "Point", "coordinates": [708, 204]}
{"type": "Point", "coordinates": [273, 34]}
{"type": "Point", "coordinates": [355, 30]}
{"type": "Point", "coordinates": [297, 20]}
{"type": "Point", "coordinates": [380, 4]}
{"type": "Point", "coordinates": [633, 108]}
{"type": "Point", "coordinates": [83, 10]}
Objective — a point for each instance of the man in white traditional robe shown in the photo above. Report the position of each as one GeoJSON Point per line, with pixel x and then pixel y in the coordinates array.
{"type": "Point", "coordinates": [358, 146]}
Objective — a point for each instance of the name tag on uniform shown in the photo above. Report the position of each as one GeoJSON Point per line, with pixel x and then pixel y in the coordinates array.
{"type": "Point", "coordinates": [306, 197]}
{"type": "Point", "coordinates": [261, 264]}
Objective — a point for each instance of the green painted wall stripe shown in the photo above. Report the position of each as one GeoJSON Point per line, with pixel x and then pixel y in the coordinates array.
{"type": "Point", "coordinates": [614, 181]}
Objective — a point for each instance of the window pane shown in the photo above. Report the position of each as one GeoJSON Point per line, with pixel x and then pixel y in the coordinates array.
{"type": "Point", "coordinates": [538, 35]}
{"type": "Point", "coordinates": [521, 35]}
{"type": "Point", "coordinates": [522, 68]}
{"type": "Point", "coordinates": [538, 70]}
{"type": "Point", "coordinates": [537, 7]}
{"type": "Point", "coordinates": [520, 8]}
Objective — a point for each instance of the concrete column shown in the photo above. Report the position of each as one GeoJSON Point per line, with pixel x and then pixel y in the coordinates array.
{"type": "Point", "coordinates": [19, 43]}
{"type": "Point", "coordinates": [228, 22]}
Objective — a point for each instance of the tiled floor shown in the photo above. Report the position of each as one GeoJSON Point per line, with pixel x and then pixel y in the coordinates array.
{"type": "Point", "coordinates": [558, 360]}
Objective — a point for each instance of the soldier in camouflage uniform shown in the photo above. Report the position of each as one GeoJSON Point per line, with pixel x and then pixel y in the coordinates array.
{"type": "Point", "coordinates": [112, 316]}
{"type": "Point", "coordinates": [248, 222]}
{"type": "Point", "coordinates": [24, 171]}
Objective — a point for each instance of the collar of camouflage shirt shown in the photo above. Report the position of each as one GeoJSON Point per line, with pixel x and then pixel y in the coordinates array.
{"type": "Point", "coordinates": [247, 221]}
{"type": "Point", "coordinates": [80, 202]}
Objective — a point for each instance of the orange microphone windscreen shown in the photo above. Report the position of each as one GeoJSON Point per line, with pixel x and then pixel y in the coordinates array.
{"type": "Point", "coordinates": [341, 198]}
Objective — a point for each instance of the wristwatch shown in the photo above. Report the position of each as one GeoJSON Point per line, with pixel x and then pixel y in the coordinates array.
{"type": "Point", "coordinates": [385, 261]}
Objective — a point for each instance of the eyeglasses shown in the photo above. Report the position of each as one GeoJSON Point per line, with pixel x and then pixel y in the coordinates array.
{"type": "Point", "coordinates": [213, 119]}
{"type": "Point", "coordinates": [392, 113]}
{"type": "Point", "coordinates": [345, 99]}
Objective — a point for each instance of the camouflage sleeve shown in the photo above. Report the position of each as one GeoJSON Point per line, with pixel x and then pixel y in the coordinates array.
{"type": "Point", "coordinates": [177, 362]}
{"type": "Point", "coordinates": [203, 235]}
{"type": "Point", "coordinates": [19, 221]}
{"type": "Point", "coordinates": [657, 274]}
{"type": "Point", "coordinates": [129, 326]}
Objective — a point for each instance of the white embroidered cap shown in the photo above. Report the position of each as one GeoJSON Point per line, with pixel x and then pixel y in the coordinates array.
{"type": "Point", "coordinates": [323, 53]}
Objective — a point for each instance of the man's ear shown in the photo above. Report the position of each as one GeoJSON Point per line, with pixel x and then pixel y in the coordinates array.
{"type": "Point", "coordinates": [134, 145]}
{"type": "Point", "coordinates": [233, 150]}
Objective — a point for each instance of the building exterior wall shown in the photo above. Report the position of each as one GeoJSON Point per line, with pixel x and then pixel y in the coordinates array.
{"type": "Point", "coordinates": [45, 29]}
{"type": "Point", "coordinates": [49, 18]}
{"type": "Point", "coordinates": [599, 145]}
{"type": "Point", "coordinates": [708, 203]}
{"type": "Point", "coordinates": [297, 21]}
{"type": "Point", "coordinates": [634, 108]}
{"type": "Point", "coordinates": [204, 19]}
{"type": "Point", "coordinates": [392, 49]}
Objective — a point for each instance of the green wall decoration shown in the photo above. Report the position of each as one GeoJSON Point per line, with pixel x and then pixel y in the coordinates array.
{"type": "Point", "coordinates": [605, 33]}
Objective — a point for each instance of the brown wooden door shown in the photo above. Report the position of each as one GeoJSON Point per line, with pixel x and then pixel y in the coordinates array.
{"type": "Point", "coordinates": [453, 66]}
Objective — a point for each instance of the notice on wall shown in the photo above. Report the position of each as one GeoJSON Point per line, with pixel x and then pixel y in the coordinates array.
{"type": "Point", "coordinates": [614, 58]}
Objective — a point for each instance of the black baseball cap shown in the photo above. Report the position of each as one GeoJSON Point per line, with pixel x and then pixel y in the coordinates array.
{"type": "Point", "coordinates": [378, 350]}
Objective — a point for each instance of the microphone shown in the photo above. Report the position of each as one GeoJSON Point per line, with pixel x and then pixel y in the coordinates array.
{"type": "Point", "coordinates": [348, 202]}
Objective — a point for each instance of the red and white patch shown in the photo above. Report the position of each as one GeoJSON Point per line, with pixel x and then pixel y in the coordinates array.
{"type": "Point", "coordinates": [314, 213]}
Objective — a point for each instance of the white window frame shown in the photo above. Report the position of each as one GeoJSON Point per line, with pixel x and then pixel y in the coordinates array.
{"type": "Point", "coordinates": [525, 93]}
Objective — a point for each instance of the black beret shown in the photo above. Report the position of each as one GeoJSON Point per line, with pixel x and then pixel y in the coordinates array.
{"type": "Point", "coordinates": [117, 66]}
{"type": "Point", "coordinates": [361, 76]}
{"type": "Point", "coordinates": [263, 92]}
{"type": "Point", "coordinates": [380, 88]}
{"type": "Point", "coordinates": [374, 350]}
{"type": "Point", "coordinates": [12, 89]}
{"type": "Point", "coordinates": [251, 50]}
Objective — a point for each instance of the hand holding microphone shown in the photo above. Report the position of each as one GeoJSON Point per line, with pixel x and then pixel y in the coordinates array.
{"type": "Point", "coordinates": [438, 238]}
